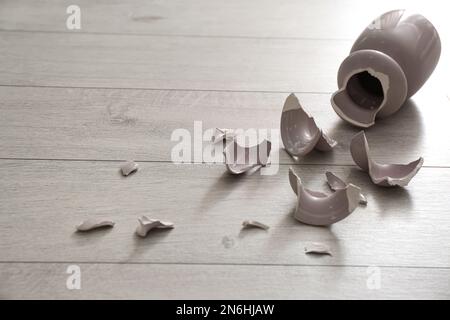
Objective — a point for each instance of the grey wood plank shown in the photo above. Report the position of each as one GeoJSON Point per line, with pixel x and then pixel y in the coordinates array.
{"type": "Point", "coordinates": [128, 61]}
{"type": "Point", "coordinates": [42, 201]}
{"type": "Point", "coordinates": [58, 123]}
{"type": "Point", "coordinates": [125, 281]}
{"type": "Point", "coordinates": [251, 18]}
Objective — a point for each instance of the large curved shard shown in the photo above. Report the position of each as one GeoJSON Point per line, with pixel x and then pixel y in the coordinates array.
{"type": "Point", "coordinates": [299, 131]}
{"type": "Point", "coordinates": [239, 159]}
{"type": "Point", "coordinates": [319, 209]}
{"type": "Point", "coordinates": [386, 175]}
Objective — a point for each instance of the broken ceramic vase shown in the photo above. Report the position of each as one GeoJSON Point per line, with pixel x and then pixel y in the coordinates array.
{"type": "Point", "coordinates": [388, 63]}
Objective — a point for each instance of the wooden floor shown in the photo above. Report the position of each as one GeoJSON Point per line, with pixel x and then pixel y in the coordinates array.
{"type": "Point", "coordinates": [74, 104]}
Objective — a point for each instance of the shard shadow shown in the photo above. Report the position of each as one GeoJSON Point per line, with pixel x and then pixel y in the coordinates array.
{"type": "Point", "coordinates": [221, 189]}
{"type": "Point", "coordinates": [314, 157]}
{"type": "Point", "coordinates": [398, 123]}
{"type": "Point", "coordinates": [89, 237]}
{"type": "Point", "coordinates": [409, 112]}
{"type": "Point", "coordinates": [341, 126]}
{"type": "Point", "coordinates": [308, 233]}
{"type": "Point", "coordinates": [250, 232]}
{"type": "Point", "coordinates": [142, 244]}
{"type": "Point", "coordinates": [393, 126]}
{"type": "Point", "coordinates": [153, 236]}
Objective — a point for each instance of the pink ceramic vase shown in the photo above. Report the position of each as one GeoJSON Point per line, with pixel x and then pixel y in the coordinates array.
{"type": "Point", "coordinates": [388, 63]}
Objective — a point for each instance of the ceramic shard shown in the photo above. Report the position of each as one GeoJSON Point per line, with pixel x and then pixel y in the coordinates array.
{"type": "Point", "coordinates": [128, 168]}
{"type": "Point", "coordinates": [319, 209]}
{"type": "Point", "coordinates": [299, 131]}
{"type": "Point", "coordinates": [386, 175]}
{"type": "Point", "coordinates": [221, 135]}
{"type": "Point", "coordinates": [254, 224]}
{"type": "Point", "coordinates": [318, 248]}
{"type": "Point", "coordinates": [94, 223]}
{"type": "Point", "coordinates": [239, 159]}
{"type": "Point", "coordinates": [336, 183]}
{"type": "Point", "coordinates": [146, 224]}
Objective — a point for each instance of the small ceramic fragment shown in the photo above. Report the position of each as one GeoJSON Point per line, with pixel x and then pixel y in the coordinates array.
{"type": "Point", "coordinates": [319, 209]}
{"type": "Point", "coordinates": [240, 159]}
{"type": "Point", "coordinates": [386, 175]}
{"type": "Point", "coordinates": [221, 135]}
{"type": "Point", "coordinates": [336, 183]}
{"type": "Point", "coordinates": [146, 224]}
{"type": "Point", "coordinates": [254, 224]}
{"type": "Point", "coordinates": [299, 131]}
{"type": "Point", "coordinates": [128, 168]}
{"type": "Point", "coordinates": [318, 248]}
{"type": "Point", "coordinates": [94, 223]}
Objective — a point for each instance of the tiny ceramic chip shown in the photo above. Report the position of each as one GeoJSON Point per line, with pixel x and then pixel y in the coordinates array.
{"type": "Point", "coordinates": [146, 224]}
{"type": "Point", "coordinates": [254, 224]}
{"type": "Point", "coordinates": [129, 167]}
{"type": "Point", "coordinates": [317, 248]}
{"type": "Point", "coordinates": [94, 223]}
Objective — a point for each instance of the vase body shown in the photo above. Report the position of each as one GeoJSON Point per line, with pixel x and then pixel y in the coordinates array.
{"type": "Point", "coordinates": [388, 63]}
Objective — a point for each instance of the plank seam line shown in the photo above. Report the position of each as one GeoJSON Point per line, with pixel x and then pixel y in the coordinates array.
{"type": "Point", "coordinates": [174, 35]}
{"type": "Point", "coordinates": [224, 264]}
{"type": "Point", "coordinates": [161, 89]}
{"type": "Point", "coordinates": [191, 163]}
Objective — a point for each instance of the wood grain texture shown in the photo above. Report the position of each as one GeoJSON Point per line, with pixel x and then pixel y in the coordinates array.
{"type": "Point", "coordinates": [42, 202]}
{"type": "Point", "coordinates": [323, 19]}
{"type": "Point", "coordinates": [143, 281]}
{"type": "Point", "coordinates": [58, 123]}
{"type": "Point", "coordinates": [128, 61]}
{"type": "Point", "coordinates": [73, 103]}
